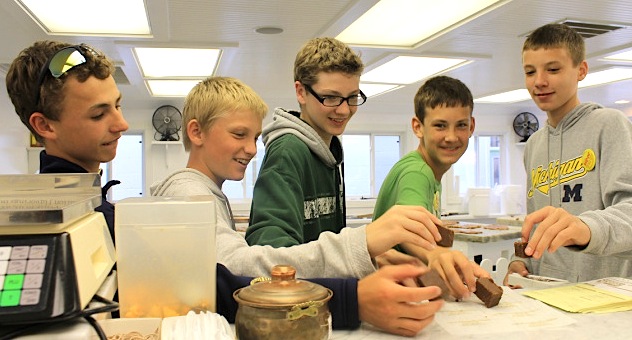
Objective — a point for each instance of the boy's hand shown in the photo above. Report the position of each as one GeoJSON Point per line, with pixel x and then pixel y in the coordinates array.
{"type": "Point", "coordinates": [394, 257]}
{"type": "Point", "coordinates": [515, 267]}
{"type": "Point", "coordinates": [385, 303]}
{"type": "Point", "coordinates": [457, 270]}
{"type": "Point", "coordinates": [557, 228]}
{"type": "Point", "coordinates": [402, 224]}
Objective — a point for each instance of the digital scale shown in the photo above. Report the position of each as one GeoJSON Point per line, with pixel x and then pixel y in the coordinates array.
{"type": "Point", "coordinates": [55, 250]}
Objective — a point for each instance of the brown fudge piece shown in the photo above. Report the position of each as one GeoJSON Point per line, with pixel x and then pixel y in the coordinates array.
{"type": "Point", "coordinates": [432, 278]}
{"type": "Point", "coordinates": [447, 236]}
{"type": "Point", "coordinates": [488, 291]}
{"type": "Point", "coordinates": [519, 248]}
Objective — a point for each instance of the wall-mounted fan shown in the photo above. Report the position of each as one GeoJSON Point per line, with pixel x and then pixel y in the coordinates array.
{"type": "Point", "coordinates": [525, 124]}
{"type": "Point", "coordinates": [167, 121]}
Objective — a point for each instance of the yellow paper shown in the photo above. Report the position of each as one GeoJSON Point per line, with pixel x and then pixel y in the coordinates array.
{"type": "Point", "coordinates": [598, 296]}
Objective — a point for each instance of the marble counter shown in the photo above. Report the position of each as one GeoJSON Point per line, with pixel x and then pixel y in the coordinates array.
{"type": "Point", "coordinates": [511, 220]}
{"type": "Point", "coordinates": [486, 243]}
{"type": "Point", "coordinates": [485, 235]}
{"type": "Point", "coordinates": [540, 322]}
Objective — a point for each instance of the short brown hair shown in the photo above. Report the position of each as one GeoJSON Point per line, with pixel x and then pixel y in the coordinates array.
{"type": "Point", "coordinates": [441, 91]}
{"type": "Point", "coordinates": [325, 55]}
{"type": "Point", "coordinates": [557, 36]}
{"type": "Point", "coordinates": [24, 73]}
{"type": "Point", "coordinates": [216, 97]}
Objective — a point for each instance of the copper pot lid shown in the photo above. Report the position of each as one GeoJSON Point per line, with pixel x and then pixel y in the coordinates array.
{"type": "Point", "coordinates": [282, 290]}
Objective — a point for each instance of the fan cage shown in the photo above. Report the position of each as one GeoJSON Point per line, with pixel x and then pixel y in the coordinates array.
{"type": "Point", "coordinates": [167, 121]}
{"type": "Point", "coordinates": [525, 124]}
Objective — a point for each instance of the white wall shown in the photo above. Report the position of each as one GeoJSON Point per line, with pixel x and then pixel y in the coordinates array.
{"type": "Point", "coordinates": [13, 149]}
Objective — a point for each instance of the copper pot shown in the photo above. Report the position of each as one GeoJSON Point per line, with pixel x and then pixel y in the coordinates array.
{"type": "Point", "coordinates": [282, 307]}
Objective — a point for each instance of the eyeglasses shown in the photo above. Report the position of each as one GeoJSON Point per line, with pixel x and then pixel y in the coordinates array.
{"type": "Point", "coordinates": [58, 64]}
{"type": "Point", "coordinates": [333, 101]}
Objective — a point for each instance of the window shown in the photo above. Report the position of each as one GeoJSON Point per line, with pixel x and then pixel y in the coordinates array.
{"type": "Point", "coordinates": [483, 155]}
{"type": "Point", "coordinates": [387, 153]}
{"type": "Point", "coordinates": [357, 165]}
{"type": "Point", "coordinates": [368, 159]}
{"type": "Point", "coordinates": [126, 167]}
{"type": "Point", "coordinates": [239, 190]}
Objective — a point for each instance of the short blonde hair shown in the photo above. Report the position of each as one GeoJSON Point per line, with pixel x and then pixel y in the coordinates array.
{"type": "Point", "coordinates": [325, 55]}
{"type": "Point", "coordinates": [215, 97]}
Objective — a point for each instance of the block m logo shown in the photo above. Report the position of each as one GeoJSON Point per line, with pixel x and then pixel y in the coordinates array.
{"type": "Point", "coordinates": [575, 193]}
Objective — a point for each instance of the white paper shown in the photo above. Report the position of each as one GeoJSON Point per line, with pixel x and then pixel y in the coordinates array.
{"type": "Point", "coordinates": [514, 312]}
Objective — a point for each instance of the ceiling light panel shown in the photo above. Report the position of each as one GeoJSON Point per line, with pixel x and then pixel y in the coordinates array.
{"type": "Point", "coordinates": [177, 62]}
{"type": "Point", "coordinates": [372, 90]}
{"type": "Point", "coordinates": [408, 23]}
{"type": "Point", "coordinates": [408, 69]}
{"type": "Point", "coordinates": [606, 76]}
{"type": "Point", "coordinates": [623, 56]}
{"type": "Point", "coordinates": [112, 18]}
{"type": "Point", "coordinates": [505, 97]}
{"type": "Point", "coordinates": [170, 88]}
{"type": "Point", "coordinates": [602, 77]}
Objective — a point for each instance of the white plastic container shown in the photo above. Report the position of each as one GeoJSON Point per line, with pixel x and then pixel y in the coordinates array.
{"type": "Point", "coordinates": [478, 201]}
{"type": "Point", "coordinates": [166, 255]}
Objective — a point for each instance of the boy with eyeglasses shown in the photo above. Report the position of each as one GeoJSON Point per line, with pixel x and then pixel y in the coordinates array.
{"type": "Point", "coordinates": [66, 96]}
{"type": "Point", "coordinates": [299, 192]}
{"type": "Point", "coordinates": [579, 174]}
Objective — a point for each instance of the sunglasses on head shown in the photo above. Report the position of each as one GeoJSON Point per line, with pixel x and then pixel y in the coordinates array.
{"type": "Point", "coordinates": [60, 63]}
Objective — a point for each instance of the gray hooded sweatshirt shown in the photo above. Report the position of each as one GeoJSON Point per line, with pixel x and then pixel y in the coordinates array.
{"type": "Point", "coordinates": [584, 165]}
{"type": "Point", "coordinates": [320, 258]}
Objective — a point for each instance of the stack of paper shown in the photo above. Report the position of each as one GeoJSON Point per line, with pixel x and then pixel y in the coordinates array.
{"type": "Point", "coordinates": [469, 317]}
{"type": "Point", "coordinates": [611, 294]}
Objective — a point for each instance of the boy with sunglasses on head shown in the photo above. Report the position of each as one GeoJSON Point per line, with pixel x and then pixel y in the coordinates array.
{"type": "Point", "coordinates": [66, 96]}
{"type": "Point", "coordinates": [579, 174]}
{"type": "Point", "coordinates": [443, 123]}
{"type": "Point", "coordinates": [222, 120]}
{"type": "Point", "coordinates": [299, 192]}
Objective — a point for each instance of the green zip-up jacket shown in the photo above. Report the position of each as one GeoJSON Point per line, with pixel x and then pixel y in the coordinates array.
{"type": "Point", "coordinates": [299, 192]}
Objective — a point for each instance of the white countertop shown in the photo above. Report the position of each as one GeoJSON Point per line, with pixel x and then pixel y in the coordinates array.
{"type": "Point", "coordinates": [515, 317]}
{"type": "Point", "coordinates": [456, 320]}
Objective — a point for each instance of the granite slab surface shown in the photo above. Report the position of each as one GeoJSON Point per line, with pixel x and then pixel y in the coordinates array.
{"type": "Point", "coordinates": [483, 235]}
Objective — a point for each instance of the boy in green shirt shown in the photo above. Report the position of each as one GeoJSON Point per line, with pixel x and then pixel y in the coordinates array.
{"type": "Point", "coordinates": [443, 123]}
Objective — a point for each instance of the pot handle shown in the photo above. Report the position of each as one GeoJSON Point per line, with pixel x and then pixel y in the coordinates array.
{"type": "Point", "coordinates": [309, 308]}
{"type": "Point", "coordinates": [259, 279]}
